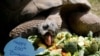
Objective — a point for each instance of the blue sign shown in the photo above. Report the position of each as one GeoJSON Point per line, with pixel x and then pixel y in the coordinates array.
{"type": "Point", "coordinates": [20, 47]}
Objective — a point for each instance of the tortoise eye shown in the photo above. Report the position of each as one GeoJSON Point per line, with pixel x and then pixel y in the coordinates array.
{"type": "Point", "coordinates": [45, 27]}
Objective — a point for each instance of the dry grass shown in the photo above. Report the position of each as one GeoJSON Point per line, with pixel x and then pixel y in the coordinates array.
{"type": "Point", "coordinates": [95, 6]}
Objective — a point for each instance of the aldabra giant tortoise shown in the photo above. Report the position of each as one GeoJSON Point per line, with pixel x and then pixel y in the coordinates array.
{"type": "Point", "coordinates": [16, 12]}
{"type": "Point", "coordinates": [79, 19]}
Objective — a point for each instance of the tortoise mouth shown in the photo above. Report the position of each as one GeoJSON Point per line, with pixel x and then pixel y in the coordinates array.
{"type": "Point", "coordinates": [48, 38]}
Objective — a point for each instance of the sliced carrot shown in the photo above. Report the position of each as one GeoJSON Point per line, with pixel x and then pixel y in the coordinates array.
{"type": "Point", "coordinates": [66, 54]}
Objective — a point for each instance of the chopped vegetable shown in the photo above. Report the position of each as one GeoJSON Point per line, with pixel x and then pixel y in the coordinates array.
{"type": "Point", "coordinates": [66, 44]}
{"type": "Point", "coordinates": [71, 47]}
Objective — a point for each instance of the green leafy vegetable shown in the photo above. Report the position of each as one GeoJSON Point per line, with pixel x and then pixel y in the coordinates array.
{"type": "Point", "coordinates": [73, 44]}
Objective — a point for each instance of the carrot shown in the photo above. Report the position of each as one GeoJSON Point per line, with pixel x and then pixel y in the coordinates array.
{"type": "Point", "coordinates": [66, 54]}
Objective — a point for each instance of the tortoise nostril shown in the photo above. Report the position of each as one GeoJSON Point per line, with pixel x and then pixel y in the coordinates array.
{"type": "Point", "coordinates": [45, 27]}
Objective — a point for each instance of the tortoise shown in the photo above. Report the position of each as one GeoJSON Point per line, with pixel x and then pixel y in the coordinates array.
{"type": "Point", "coordinates": [19, 12]}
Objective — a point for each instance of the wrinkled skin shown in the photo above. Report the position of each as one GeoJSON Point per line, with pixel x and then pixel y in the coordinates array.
{"type": "Point", "coordinates": [48, 30]}
{"type": "Point", "coordinates": [45, 29]}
